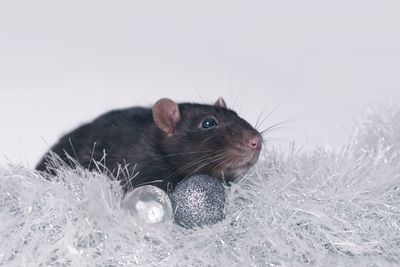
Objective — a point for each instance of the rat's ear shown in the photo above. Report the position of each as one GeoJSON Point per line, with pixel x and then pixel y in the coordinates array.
{"type": "Point", "coordinates": [166, 115]}
{"type": "Point", "coordinates": [220, 103]}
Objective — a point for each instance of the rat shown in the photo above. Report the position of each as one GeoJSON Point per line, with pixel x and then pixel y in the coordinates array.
{"type": "Point", "coordinates": [161, 145]}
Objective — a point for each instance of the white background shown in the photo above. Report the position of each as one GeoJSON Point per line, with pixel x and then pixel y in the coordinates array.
{"type": "Point", "coordinates": [65, 62]}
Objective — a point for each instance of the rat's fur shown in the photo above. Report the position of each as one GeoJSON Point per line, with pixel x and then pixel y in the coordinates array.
{"type": "Point", "coordinates": [130, 136]}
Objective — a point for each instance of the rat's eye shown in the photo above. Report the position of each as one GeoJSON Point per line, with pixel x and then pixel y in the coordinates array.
{"type": "Point", "coordinates": [209, 123]}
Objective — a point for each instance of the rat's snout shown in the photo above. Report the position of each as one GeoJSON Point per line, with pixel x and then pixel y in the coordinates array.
{"type": "Point", "coordinates": [255, 142]}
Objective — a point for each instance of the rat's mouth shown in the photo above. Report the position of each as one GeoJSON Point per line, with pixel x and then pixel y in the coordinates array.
{"type": "Point", "coordinates": [240, 167]}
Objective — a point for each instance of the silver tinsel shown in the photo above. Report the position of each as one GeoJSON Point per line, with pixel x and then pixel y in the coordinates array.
{"type": "Point", "coordinates": [304, 208]}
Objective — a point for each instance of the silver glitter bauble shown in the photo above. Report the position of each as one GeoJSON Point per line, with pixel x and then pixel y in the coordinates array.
{"type": "Point", "coordinates": [199, 200]}
{"type": "Point", "coordinates": [148, 204]}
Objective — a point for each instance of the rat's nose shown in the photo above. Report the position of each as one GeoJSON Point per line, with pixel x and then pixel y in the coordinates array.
{"type": "Point", "coordinates": [255, 142]}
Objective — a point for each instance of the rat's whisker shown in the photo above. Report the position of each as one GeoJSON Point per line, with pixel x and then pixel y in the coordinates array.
{"type": "Point", "coordinates": [204, 165]}
{"type": "Point", "coordinates": [284, 122]}
{"type": "Point", "coordinates": [269, 113]}
{"type": "Point", "coordinates": [230, 158]}
{"type": "Point", "coordinates": [195, 162]}
{"type": "Point", "coordinates": [188, 153]}
{"type": "Point", "coordinates": [274, 139]}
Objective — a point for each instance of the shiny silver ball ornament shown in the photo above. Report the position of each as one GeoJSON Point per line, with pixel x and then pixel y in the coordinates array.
{"type": "Point", "coordinates": [148, 204]}
{"type": "Point", "coordinates": [199, 200]}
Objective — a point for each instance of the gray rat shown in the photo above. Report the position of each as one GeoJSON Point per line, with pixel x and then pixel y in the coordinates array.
{"type": "Point", "coordinates": [162, 145]}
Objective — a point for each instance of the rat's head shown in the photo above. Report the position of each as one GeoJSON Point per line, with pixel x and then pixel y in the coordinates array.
{"type": "Point", "coordinates": [206, 139]}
